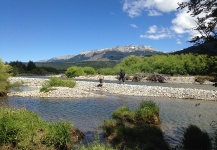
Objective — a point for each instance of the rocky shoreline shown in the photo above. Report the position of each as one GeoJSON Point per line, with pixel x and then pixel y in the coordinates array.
{"type": "Point", "coordinates": [90, 89]}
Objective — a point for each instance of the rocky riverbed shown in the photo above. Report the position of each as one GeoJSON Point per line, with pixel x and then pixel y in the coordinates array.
{"type": "Point", "coordinates": [90, 89]}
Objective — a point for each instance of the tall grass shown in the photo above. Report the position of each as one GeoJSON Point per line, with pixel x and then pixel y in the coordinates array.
{"type": "Point", "coordinates": [20, 129]}
{"type": "Point", "coordinates": [55, 82]}
{"type": "Point", "coordinates": [147, 113]}
{"type": "Point", "coordinates": [96, 145]}
{"type": "Point", "coordinates": [135, 129]}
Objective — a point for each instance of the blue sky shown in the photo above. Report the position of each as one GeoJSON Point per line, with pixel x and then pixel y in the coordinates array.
{"type": "Point", "coordinates": [41, 29]}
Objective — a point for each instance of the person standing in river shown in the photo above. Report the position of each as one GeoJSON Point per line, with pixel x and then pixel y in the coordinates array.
{"type": "Point", "coordinates": [122, 76]}
{"type": "Point", "coordinates": [101, 78]}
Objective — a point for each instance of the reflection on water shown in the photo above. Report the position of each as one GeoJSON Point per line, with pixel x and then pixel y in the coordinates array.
{"type": "Point", "coordinates": [88, 114]}
{"type": "Point", "coordinates": [22, 88]}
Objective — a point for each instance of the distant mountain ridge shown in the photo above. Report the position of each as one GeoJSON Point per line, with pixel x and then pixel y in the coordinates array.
{"type": "Point", "coordinates": [107, 54]}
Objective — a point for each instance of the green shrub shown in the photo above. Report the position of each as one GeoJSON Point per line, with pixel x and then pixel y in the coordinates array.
{"type": "Point", "coordinates": [58, 135]}
{"type": "Point", "coordinates": [123, 113]}
{"type": "Point", "coordinates": [195, 139]}
{"type": "Point", "coordinates": [4, 75]}
{"type": "Point", "coordinates": [107, 71]}
{"type": "Point", "coordinates": [96, 146]}
{"type": "Point", "coordinates": [147, 113]}
{"type": "Point", "coordinates": [135, 129]}
{"type": "Point", "coordinates": [74, 72]}
{"type": "Point", "coordinates": [89, 70]}
{"type": "Point", "coordinates": [20, 129]}
{"type": "Point", "coordinates": [55, 82]}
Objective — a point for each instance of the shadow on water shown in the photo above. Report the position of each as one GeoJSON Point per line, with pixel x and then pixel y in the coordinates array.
{"type": "Point", "coordinates": [88, 114]}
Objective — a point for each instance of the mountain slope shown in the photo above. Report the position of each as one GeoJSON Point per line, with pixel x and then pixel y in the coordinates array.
{"type": "Point", "coordinates": [108, 54]}
{"type": "Point", "coordinates": [206, 48]}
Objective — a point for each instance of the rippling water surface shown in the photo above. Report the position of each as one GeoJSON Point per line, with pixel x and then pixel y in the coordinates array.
{"type": "Point", "coordinates": [88, 114]}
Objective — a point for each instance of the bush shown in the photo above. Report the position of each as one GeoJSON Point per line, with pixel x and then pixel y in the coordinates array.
{"type": "Point", "coordinates": [147, 113]}
{"type": "Point", "coordinates": [96, 145]}
{"type": "Point", "coordinates": [74, 72]}
{"type": "Point", "coordinates": [58, 135]}
{"type": "Point", "coordinates": [135, 129]}
{"type": "Point", "coordinates": [54, 82]}
{"type": "Point", "coordinates": [89, 70]}
{"type": "Point", "coordinates": [4, 75]}
{"type": "Point", "coordinates": [107, 71]}
{"type": "Point", "coordinates": [20, 129]}
{"type": "Point", "coordinates": [195, 139]}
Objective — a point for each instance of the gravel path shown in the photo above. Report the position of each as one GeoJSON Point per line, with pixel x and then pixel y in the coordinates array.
{"type": "Point", "coordinates": [90, 89]}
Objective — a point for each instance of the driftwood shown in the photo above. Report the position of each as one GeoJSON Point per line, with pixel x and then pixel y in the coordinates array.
{"type": "Point", "coordinates": [156, 78]}
{"type": "Point", "coordinates": [138, 77]}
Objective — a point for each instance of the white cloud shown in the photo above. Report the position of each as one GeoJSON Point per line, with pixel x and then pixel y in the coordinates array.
{"type": "Point", "coordinates": [152, 29]}
{"type": "Point", "coordinates": [154, 13]}
{"type": "Point", "coordinates": [178, 41]}
{"type": "Point", "coordinates": [156, 36]}
{"type": "Point", "coordinates": [157, 33]}
{"type": "Point", "coordinates": [133, 25]}
{"type": "Point", "coordinates": [135, 8]}
{"type": "Point", "coordinates": [182, 23]}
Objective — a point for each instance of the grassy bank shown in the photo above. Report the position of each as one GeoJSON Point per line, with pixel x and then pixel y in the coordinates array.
{"type": "Point", "coordinates": [21, 129]}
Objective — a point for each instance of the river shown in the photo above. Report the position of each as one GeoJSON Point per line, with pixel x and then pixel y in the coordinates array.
{"type": "Point", "coordinates": [88, 114]}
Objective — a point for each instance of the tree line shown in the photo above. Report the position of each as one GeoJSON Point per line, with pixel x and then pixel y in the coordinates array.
{"type": "Point", "coordinates": [20, 68]}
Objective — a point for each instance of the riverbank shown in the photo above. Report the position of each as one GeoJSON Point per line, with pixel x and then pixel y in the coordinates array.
{"type": "Point", "coordinates": [90, 89]}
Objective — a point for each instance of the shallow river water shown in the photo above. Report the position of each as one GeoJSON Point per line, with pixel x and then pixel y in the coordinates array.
{"type": "Point", "coordinates": [88, 114]}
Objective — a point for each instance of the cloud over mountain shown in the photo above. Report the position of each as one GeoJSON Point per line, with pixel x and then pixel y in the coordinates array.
{"type": "Point", "coordinates": [182, 23]}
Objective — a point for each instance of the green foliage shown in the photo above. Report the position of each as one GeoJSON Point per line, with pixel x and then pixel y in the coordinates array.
{"type": "Point", "coordinates": [147, 113]}
{"type": "Point", "coordinates": [195, 139]}
{"type": "Point", "coordinates": [58, 135]}
{"type": "Point", "coordinates": [89, 70]}
{"type": "Point", "coordinates": [74, 72]}
{"type": "Point", "coordinates": [20, 129]}
{"type": "Point", "coordinates": [123, 113]}
{"type": "Point", "coordinates": [96, 145]}
{"type": "Point", "coordinates": [30, 66]}
{"type": "Point", "coordinates": [170, 64]}
{"type": "Point", "coordinates": [4, 75]}
{"type": "Point", "coordinates": [107, 71]}
{"type": "Point", "coordinates": [18, 67]}
{"type": "Point", "coordinates": [205, 24]}
{"type": "Point", "coordinates": [135, 129]}
{"type": "Point", "coordinates": [55, 82]}
{"type": "Point", "coordinates": [131, 64]}
{"type": "Point", "coordinates": [65, 65]}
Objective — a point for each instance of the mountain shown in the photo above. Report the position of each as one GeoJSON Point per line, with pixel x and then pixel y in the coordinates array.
{"type": "Point", "coordinates": [108, 54]}
{"type": "Point", "coordinates": [58, 59]}
{"type": "Point", "coordinates": [205, 48]}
